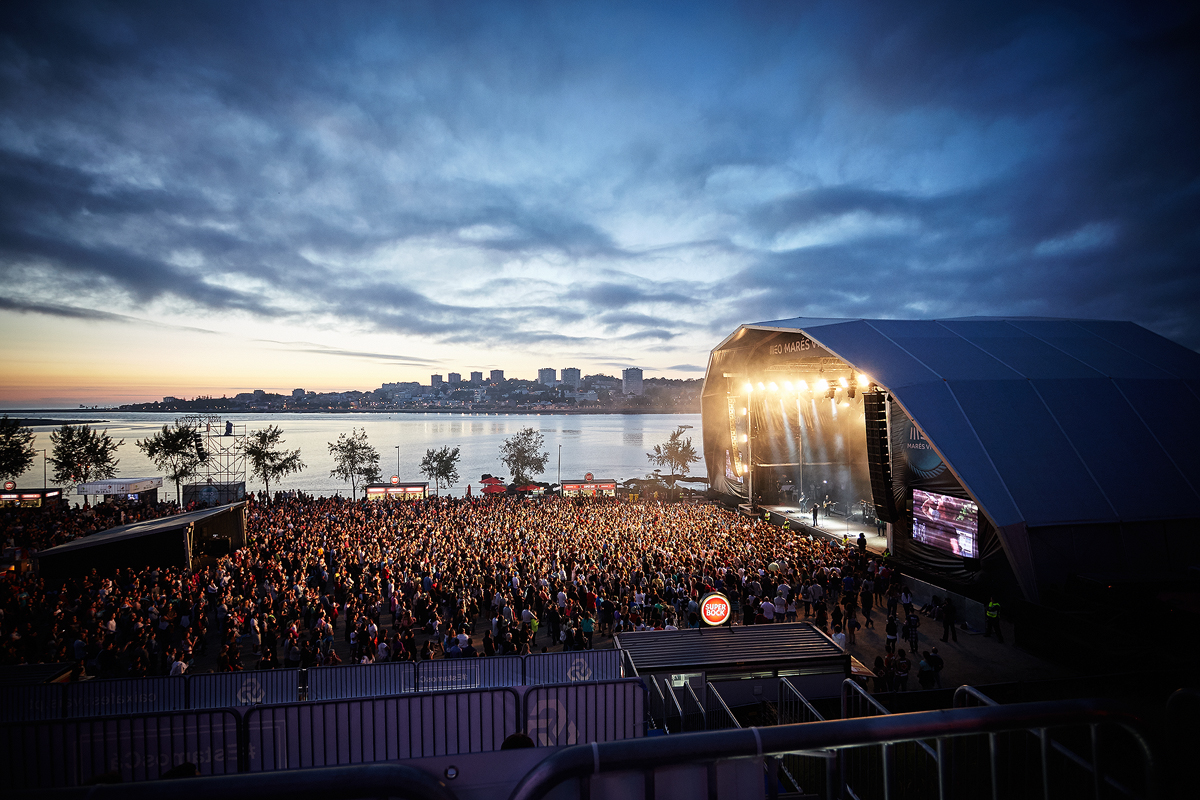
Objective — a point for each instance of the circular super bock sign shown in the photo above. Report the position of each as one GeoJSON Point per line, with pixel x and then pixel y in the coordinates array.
{"type": "Point", "coordinates": [588, 477]}
{"type": "Point", "coordinates": [715, 608]}
{"type": "Point", "coordinates": [395, 479]}
{"type": "Point", "coordinates": [9, 486]}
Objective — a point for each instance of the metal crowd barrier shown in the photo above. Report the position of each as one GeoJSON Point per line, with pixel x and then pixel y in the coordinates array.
{"type": "Point", "coordinates": [813, 772]}
{"type": "Point", "coordinates": [362, 680]}
{"type": "Point", "coordinates": [322, 734]}
{"type": "Point", "coordinates": [575, 666]}
{"type": "Point", "coordinates": [233, 689]}
{"type": "Point", "coordinates": [30, 703]}
{"type": "Point", "coordinates": [717, 712]}
{"type": "Point", "coordinates": [597, 764]}
{"type": "Point", "coordinates": [124, 696]}
{"type": "Point", "coordinates": [451, 674]}
{"type": "Point", "coordinates": [578, 713]}
{"type": "Point", "coordinates": [133, 748]}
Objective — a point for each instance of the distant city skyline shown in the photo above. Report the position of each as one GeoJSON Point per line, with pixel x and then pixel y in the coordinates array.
{"type": "Point", "coordinates": [214, 198]}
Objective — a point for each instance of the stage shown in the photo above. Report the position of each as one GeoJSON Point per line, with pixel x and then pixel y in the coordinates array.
{"type": "Point", "coordinates": [831, 527]}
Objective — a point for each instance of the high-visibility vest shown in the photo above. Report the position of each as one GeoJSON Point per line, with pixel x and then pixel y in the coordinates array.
{"type": "Point", "coordinates": [993, 609]}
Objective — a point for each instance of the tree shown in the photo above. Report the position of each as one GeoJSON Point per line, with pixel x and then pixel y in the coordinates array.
{"type": "Point", "coordinates": [354, 460]}
{"type": "Point", "coordinates": [16, 449]}
{"type": "Point", "coordinates": [520, 454]}
{"type": "Point", "coordinates": [82, 454]}
{"type": "Point", "coordinates": [441, 466]}
{"type": "Point", "coordinates": [173, 450]}
{"type": "Point", "coordinates": [676, 455]}
{"type": "Point", "coordinates": [267, 461]}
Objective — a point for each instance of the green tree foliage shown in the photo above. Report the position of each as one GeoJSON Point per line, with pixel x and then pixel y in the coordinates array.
{"type": "Point", "coordinates": [441, 466]}
{"type": "Point", "coordinates": [520, 453]}
{"type": "Point", "coordinates": [676, 455]}
{"type": "Point", "coordinates": [81, 454]}
{"type": "Point", "coordinates": [16, 449]}
{"type": "Point", "coordinates": [267, 461]}
{"type": "Point", "coordinates": [173, 450]}
{"type": "Point", "coordinates": [354, 460]}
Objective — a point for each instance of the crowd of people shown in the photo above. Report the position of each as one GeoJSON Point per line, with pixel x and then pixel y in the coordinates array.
{"type": "Point", "coordinates": [327, 580]}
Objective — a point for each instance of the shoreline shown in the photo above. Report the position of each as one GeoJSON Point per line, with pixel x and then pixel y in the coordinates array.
{"type": "Point", "coordinates": [264, 412]}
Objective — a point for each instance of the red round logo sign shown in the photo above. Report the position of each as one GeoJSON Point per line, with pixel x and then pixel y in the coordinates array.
{"type": "Point", "coordinates": [588, 477]}
{"type": "Point", "coordinates": [395, 479]}
{"type": "Point", "coordinates": [9, 486]}
{"type": "Point", "coordinates": [715, 608]}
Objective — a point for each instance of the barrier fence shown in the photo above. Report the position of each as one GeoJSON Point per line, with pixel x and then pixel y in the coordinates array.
{"type": "Point", "coordinates": [37, 702]}
{"type": "Point", "coordinates": [579, 713]}
{"type": "Point", "coordinates": [576, 666]}
{"type": "Point", "coordinates": [232, 689]}
{"type": "Point", "coordinates": [136, 748]}
{"type": "Point", "coordinates": [125, 696]}
{"type": "Point", "coordinates": [40, 754]}
{"type": "Point", "coordinates": [470, 673]}
{"type": "Point", "coordinates": [362, 680]}
{"type": "Point", "coordinates": [322, 734]}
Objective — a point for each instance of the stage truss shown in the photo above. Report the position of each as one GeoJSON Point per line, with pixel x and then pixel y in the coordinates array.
{"type": "Point", "coordinates": [226, 462]}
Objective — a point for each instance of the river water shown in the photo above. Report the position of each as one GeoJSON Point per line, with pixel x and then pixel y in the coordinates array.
{"type": "Point", "coordinates": [610, 446]}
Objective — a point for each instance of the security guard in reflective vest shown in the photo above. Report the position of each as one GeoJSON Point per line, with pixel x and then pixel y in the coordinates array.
{"type": "Point", "coordinates": [993, 620]}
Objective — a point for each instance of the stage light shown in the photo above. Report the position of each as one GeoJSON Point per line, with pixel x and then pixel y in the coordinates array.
{"type": "Point", "coordinates": [772, 386]}
{"type": "Point", "coordinates": [850, 392]}
{"type": "Point", "coordinates": [787, 386]}
{"type": "Point", "coordinates": [863, 380]}
{"type": "Point", "coordinates": [803, 386]}
{"type": "Point", "coordinates": [760, 385]}
{"type": "Point", "coordinates": [822, 385]}
{"type": "Point", "coordinates": [845, 404]}
{"type": "Point", "coordinates": [843, 382]}
{"type": "Point", "coordinates": [749, 388]}
{"type": "Point", "coordinates": [745, 411]}
{"type": "Point", "coordinates": [744, 438]}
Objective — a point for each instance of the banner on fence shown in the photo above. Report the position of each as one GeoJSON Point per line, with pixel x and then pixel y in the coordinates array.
{"type": "Point", "coordinates": [361, 680]}
{"type": "Point", "coordinates": [39, 755]}
{"type": "Point", "coordinates": [99, 698]}
{"type": "Point", "coordinates": [231, 689]}
{"type": "Point", "coordinates": [576, 666]}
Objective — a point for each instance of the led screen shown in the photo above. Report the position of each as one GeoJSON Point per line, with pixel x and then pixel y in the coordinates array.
{"type": "Point", "coordinates": [947, 523]}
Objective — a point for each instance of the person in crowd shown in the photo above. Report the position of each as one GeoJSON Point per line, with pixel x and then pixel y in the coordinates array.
{"type": "Point", "coordinates": [322, 580]}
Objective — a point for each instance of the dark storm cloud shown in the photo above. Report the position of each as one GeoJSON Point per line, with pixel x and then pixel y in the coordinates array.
{"type": "Point", "coordinates": [834, 159]}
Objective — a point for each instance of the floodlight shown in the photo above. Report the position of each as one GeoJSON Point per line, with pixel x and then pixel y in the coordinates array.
{"type": "Point", "coordinates": [863, 380]}
{"type": "Point", "coordinates": [822, 385]}
{"type": "Point", "coordinates": [843, 382]}
{"type": "Point", "coordinates": [772, 386]}
{"type": "Point", "coordinates": [803, 385]}
{"type": "Point", "coordinates": [749, 388]}
{"type": "Point", "coordinates": [787, 386]}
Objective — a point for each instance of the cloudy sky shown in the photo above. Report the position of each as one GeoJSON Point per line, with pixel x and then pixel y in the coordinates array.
{"type": "Point", "coordinates": [211, 198]}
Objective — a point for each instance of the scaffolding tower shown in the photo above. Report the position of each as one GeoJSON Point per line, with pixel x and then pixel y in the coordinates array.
{"type": "Point", "coordinates": [222, 449]}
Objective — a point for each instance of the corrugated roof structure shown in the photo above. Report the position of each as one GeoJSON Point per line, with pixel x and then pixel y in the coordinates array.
{"type": "Point", "coordinates": [711, 648]}
{"type": "Point", "coordinates": [136, 530]}
{"type": "Point", "coordinates": [1045, 422]}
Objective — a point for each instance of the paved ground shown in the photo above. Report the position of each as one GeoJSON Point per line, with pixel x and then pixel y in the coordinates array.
{"type": "Point", "coordinates": [973, 659]}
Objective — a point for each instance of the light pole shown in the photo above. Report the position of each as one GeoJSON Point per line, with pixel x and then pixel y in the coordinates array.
{"type": "Point", "coordinates": [750, 439]}
{"type": "Point", "coordinates": [560, 470]}
{"type": "Point", "coordinates": [44, 483]}
{"type": "Point", "coordinates": [397, 461]}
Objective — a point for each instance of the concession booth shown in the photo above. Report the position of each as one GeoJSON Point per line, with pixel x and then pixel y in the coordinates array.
{"type": "Point", "coordinates": [141, 490]}
{"type": "Point", "coordinates": [589, 487]}
{"type": "Point", "coordinates": [397, 491]}
{"type": "Point", "coordinates": [12, 497]}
